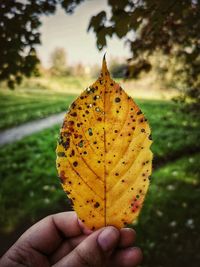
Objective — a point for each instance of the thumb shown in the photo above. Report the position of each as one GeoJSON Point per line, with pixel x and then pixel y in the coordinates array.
{"type": "Point", "coordinates": [94, 250]}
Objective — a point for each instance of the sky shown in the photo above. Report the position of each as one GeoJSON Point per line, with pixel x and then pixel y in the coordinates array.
{"type": "Point", "coordinates": [70, 32]}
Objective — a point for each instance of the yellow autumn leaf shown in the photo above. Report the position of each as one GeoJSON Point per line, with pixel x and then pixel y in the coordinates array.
{"type": "Point", "coordinates": [103, 155]}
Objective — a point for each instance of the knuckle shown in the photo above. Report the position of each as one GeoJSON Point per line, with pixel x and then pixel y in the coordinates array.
{"type": "Point", "coordinates": [89, 259]}
{"type": "Point", "coordinates": [83, 259]}
{"type": "Point", "coordinates": [22, 255]}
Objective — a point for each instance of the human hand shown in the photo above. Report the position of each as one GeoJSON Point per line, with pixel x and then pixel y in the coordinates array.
{"type": "Point", "coordinates": [62, 240]}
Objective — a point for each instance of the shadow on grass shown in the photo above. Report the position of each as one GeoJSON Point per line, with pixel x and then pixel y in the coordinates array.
{"type": "Point", "coordinates": [161, 161]}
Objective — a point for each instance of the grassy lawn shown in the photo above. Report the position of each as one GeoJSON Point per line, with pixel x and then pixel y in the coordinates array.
{"type": "Point", "coordinates": [24, 105]}
{"type": "Point", "coordinates": [39, 97]}
{"type": "Point", "coordinates": [169, 226]}
{"type": "Point", "coordinates": [169, 223]}
{"type": "Point", "coordinates": [173, 132]}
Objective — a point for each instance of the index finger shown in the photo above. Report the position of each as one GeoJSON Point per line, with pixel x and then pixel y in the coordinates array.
{"type": "Point", "coordinates": [46, 235]}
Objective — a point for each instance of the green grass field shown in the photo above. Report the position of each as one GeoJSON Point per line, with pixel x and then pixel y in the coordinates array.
{"type": "Point", "coordinates": [169, 225]}
{"type": "Point", "coordinates": [24, 105]}
{"type": "Point", "coordinates": [39, 97]}
{"type": "Point", "coordinates": [170, 220]}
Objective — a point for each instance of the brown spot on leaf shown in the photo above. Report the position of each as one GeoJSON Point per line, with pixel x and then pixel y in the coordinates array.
{"type": "Point", "coordinates": [139, 112]}
{"type": "Point", "coordinates": [96, 205]}
{"type": "Point", "coordinates": [75, 163]}
{"type": "Point", "coordinates": [73, 114]}
{"type": "Point", "coordinates": [117, 99]}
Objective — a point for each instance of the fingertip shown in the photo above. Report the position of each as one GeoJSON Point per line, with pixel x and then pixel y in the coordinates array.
{"type": "Point", "coordinates": [108, 238]}
{"type": "Point", "coordinates": [129, 230]}
{"type": "Point", "coordinates": [137, 254]}
{"type": "Point", "coordinates": [134, 256]}
{"type": "Point", "coordinates": [127, 237]}
{"type": "Point", "coordinates": [130, 257]}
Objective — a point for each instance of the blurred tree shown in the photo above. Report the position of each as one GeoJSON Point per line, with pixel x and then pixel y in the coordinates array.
{"type": "Point", "coordinates": [19, 35]}
{"type": "Point", "coordinates": [149, 25]}
{"type": "Point", "coordinates": [94, 71]}
{"type": "Point", "coordinates": [118, 68]}
{"type": "Point", "coordinates": [145, 26]}
{"type": "Point", "coordinates": [79, 70]}
{"type": "Point", "coordinates": [58, 61]}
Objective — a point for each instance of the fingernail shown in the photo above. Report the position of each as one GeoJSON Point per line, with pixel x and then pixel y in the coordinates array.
{"type": "Point", "coordinates": [108, 238]}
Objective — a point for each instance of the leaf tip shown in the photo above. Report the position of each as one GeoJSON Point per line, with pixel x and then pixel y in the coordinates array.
{"type": "Point", "coordinates": [104, 57]}
{"type": "Point", "coordinates": [104, 70]}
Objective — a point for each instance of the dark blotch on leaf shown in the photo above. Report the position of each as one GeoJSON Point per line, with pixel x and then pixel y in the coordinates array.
{"type": "Point", "coordinates": [71, 123]}
{"type": "Point", "coordinates": [66, 144]}
{"type": "Point", "coordinates": [61, 154]}
{"type": "Point", "coordinates": [96, 205]}
{"type": "Point", "coordinates": [90, 131]}
{"type": "Point", "coordinates": [80, 144]}
{"type": "Point", "coordinates": [76, 135]}
{"type": "Point", "coordinates": [72, 153]}
{"type": "Point", "coordinates": [73, 114]}
{"type": "Point", "coordinates": [117, 99]}
{"type": "Point", "coordinates": [75, 163]}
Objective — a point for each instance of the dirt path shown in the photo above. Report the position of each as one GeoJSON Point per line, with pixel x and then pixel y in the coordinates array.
{"type": "Point", "coordinates": [16, 133]}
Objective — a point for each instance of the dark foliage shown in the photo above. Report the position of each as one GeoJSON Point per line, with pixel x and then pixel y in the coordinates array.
{"type": "Point", "coordinates": [118, 70]}
{"type": "Point", "coordinates": [19, 35]}
{"type": "Point", "coordinates": [148, 25]}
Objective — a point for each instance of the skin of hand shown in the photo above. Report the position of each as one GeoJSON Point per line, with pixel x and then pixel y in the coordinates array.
{"type": "Point", "coordinates": [62, 240]}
